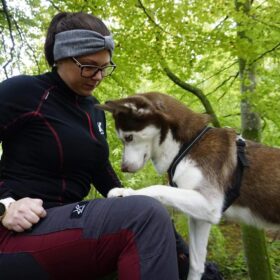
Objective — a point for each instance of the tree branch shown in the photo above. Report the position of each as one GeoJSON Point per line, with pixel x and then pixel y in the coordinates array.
{"type": "Point", "coordinates": [55, 6]}
{"type": "Point", "coordinates": [6, 12]}
{"type": "Point", "coordinates": [141, 6]}
{"type": "Point", "coordinates": [194, 90]}
{"type": "Point", "coordinates": [220, 23]}
{"type": "Point", "coordinates": [224, 82]}
{"type": "Point", "coordinates": [217, 73]}
{"type": "Point", "coordinates": [230, 85]}
{"type": "Point", "coordinates": [264, 54]}
{"type": "Point", "coordinates": [23, 39]}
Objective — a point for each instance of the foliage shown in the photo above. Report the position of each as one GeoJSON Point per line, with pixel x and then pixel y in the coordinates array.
{"type": "Point", "coordinates": [197, 40]}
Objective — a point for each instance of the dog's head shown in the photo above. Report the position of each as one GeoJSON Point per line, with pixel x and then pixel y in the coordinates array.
{"type": "Point", "coordinates": [143, 120]}
{"type": "Point", "coordinates": [141, 123]}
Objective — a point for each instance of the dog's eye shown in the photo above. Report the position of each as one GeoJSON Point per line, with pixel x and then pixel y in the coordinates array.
{"type": "Point", "coordinates": [128, 138]}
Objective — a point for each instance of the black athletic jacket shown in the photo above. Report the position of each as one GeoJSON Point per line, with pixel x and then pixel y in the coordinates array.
{"type": "Point", "coordinates": [54, 141]}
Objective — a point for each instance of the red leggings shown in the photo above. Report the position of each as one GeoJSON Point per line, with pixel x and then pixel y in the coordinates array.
{"type": "Point", "coordinates": [91, 239]}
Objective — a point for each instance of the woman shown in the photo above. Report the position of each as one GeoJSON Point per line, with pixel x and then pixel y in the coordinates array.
{"type": "Point", "coordinates": [54, 147]}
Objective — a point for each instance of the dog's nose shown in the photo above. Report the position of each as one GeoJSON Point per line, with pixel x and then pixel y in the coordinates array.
{"type": "Point", "coordinates": [124, 167]}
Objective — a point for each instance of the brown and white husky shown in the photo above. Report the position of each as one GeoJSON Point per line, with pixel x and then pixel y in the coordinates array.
{"type": "Point", "coordinates": [156, 126]}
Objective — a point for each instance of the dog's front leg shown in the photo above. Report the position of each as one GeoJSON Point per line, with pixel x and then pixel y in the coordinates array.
{"type": "Point", "coordinates": [198, 234]}
{"type": "Point", "coordinates": [190, 202]}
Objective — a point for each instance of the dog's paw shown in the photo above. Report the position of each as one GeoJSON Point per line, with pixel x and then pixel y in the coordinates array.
{"type": "Point", "coordinates": [117, 192]}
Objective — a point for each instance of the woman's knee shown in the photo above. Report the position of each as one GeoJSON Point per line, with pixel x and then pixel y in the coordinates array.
{"type": "Point", "coordinates": [147, 214]}
{"type": "Point", "coordinates": [147, 207]}
{"type": "Point", "coordinates": [142, 215]}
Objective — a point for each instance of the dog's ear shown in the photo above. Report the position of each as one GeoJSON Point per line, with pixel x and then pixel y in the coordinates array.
{"type": "Point", "coordinates": [159, 105]}
{"type": "Point", "coordinates": [105, 107]}
{"type": "Point", "coordinates": [116, 107]}
{"type": "Point", "coordinates": [141, 112]}
{"type": "Point", "coordinates": [113, 106]}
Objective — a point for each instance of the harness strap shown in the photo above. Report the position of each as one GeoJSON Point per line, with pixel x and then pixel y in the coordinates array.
{"type": "Point", "coordinates": [234, 191]}
{"type": "Point", "coordinates": [182, 152]}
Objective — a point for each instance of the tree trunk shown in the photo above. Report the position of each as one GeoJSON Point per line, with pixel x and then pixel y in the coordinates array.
{"type": "Point", "coordinates": [254, 240]}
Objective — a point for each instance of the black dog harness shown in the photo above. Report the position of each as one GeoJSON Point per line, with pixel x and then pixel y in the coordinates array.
{"type": "Point", "coordinates": [233, 192]}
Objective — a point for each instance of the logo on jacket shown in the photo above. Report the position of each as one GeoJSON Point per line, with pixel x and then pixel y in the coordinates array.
{"type": "Point", "coordinates": [99, 125]}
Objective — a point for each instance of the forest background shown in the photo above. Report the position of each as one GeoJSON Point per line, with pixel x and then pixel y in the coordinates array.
{"type": "Point", "coordinates": [216, 56]}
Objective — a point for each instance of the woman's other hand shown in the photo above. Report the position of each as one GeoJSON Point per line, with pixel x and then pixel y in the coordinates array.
{"type": "Point", "coordinates": [23, 214]}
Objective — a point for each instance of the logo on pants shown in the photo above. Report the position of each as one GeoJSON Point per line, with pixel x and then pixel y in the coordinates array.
{"type": "Point", "coordinates": [78, 210]}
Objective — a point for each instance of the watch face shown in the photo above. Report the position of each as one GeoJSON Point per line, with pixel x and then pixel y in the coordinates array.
{"type": "Point", "coordinates": [2, 209]}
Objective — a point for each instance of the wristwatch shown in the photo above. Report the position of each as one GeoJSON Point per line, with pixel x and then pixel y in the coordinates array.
{"type": "Point", "coordinates": [4, 204]}
{"type": "Point", "coordinates": [2, 210]}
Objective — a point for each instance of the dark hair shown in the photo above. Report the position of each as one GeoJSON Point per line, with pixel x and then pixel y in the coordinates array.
{"type": "Point", "coordinates": [65, 21]}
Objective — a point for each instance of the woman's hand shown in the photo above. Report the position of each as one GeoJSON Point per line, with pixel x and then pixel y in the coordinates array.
{"type": "Point", "coordinates": [23, 214]}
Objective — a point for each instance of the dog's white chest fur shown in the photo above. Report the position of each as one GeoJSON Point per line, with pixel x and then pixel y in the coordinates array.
{"type": "Point", "coordinates": [188, 175]}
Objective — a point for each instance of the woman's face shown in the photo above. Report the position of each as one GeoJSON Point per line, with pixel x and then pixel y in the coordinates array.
{"type": "Point", "coordinates": [70, 72]}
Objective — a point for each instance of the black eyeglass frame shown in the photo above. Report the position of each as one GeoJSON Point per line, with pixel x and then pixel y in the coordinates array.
{"type": "Point", "coordinates": [98, 68]}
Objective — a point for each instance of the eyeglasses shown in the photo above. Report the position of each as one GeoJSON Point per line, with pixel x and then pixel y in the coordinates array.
{"type": "Point", "coordinates": [89, 71]}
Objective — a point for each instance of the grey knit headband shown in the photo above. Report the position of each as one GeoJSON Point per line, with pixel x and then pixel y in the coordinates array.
{"type": "Point", "coordinates": [79, 42]}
